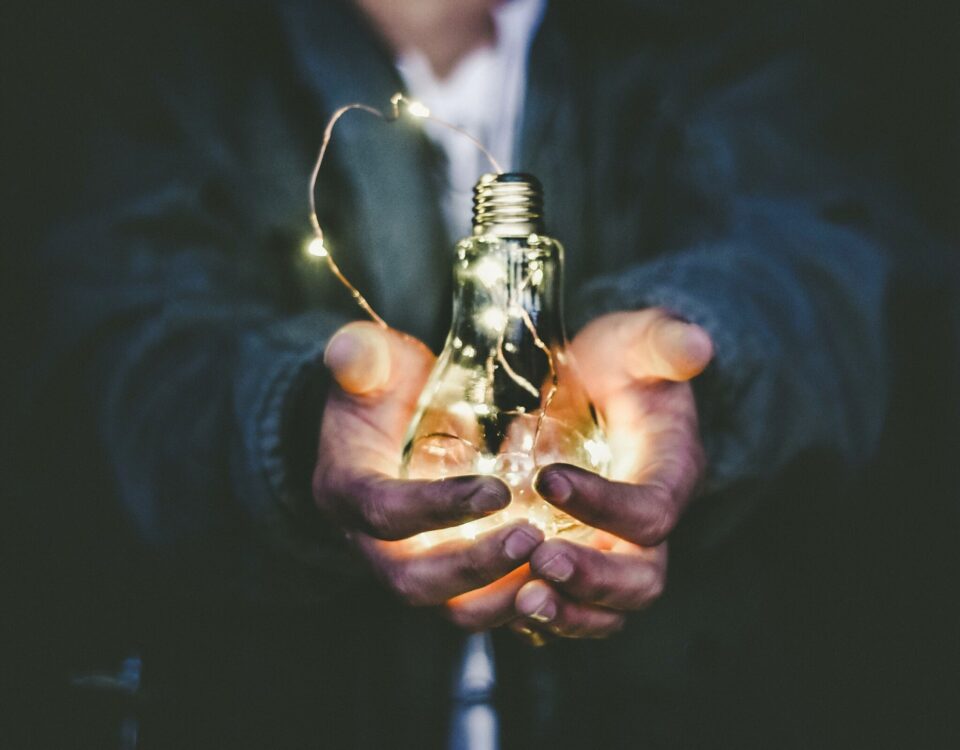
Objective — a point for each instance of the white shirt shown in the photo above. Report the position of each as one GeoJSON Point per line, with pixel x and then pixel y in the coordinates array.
{"type": "Point", "coordinates": [483, 95]}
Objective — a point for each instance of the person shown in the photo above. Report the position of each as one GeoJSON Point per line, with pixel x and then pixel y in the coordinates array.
{"type": "Point", "coordinates": [728, 276]}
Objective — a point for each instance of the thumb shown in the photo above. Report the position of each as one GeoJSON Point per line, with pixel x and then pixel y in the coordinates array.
{"type": "Point", "coordinates": [358, 357]}
{"type": "Point", "coordinates": [670, 349]}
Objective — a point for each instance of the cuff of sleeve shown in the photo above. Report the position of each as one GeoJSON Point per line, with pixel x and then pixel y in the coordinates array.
{"type": "Point", "coordinates": [689, 287]}
{"type": "Point", "coordinates": [280, 403]}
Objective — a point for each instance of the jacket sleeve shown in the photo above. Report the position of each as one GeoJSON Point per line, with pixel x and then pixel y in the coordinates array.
{"type": "Point", "coordinates": [763, 238]}
{"type": "Point", "coordinates": [195, 360]}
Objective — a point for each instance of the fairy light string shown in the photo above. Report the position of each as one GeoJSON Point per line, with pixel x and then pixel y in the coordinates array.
{"type": "Point", "coordinates": [400, 104]}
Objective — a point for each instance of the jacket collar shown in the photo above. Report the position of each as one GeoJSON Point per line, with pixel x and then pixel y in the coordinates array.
{"type": "Point", "coordinates": [387, 167]}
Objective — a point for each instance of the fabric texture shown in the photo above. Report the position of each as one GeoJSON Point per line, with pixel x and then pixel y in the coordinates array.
{"type": "Point", "coordinates": [686, 163]}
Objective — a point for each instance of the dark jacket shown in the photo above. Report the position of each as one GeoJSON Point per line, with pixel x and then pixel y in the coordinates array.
{"type": "Point", "coordinates": [686, 162]}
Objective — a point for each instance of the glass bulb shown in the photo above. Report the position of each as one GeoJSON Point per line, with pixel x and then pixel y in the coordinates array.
{"type": "Point", "coordinates": [482, 410]}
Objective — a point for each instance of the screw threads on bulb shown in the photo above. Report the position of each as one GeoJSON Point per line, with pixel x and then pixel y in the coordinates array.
{"type": "Point", "coordinates": [508, 205]}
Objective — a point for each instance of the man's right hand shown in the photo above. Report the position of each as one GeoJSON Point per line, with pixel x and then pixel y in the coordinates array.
{"type": "Point", "coordinates": [378, 375]}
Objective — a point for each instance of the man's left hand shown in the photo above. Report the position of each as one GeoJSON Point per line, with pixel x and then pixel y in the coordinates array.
{"type": "Point", "coordinates": [637, 367]}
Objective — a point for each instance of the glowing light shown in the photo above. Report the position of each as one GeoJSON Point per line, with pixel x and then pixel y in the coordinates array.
{"type": "Point", "coordinates": [462, 410]}
{"type": "Point", "coordinates": [493, 319]}
{"type": "Point", "coordinates": [489, 272]}
{"type": "Point", "coordinates": [527, 443]}
{"type": "Point", "coordinates": [469, 351]}
{"type": "Point", "coordinates": [316, 248]}
{"type": "Point", "coordinates": [486, 464]}
{"type": "Point", "coordinates": [457, 342]}
{"type": "Point", "coordinates": [513, 478]}
{"type": "Point", "coordinates": [481, 410]}
{"type": "Point", "coordinates": [598, 451]}
{"type": "Point", "coordinates": [418, 109]}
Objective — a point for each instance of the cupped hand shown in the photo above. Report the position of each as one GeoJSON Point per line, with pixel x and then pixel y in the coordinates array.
{"type": "Point", "coordinates": [636, 367]}
{"type": "Point", "coordinates": [378, 376]}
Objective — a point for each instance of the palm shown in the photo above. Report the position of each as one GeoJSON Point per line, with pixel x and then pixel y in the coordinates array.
{"type": "Point", "coordinates": [635, 366]}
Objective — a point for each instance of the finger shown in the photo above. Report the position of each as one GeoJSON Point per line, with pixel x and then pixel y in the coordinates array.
{"type": "Point", "coordinates": [667, 348]}
{"type": "Point", "coordinates": [620, 580]}
{"type": "Point", "coordinates": [640, 513]}
{"type": "Point", "coordinates": [391, 509]}
{"type": "Point", "coordinates": [490, 606]}
{"type": "Point", "coordinates": [358, 357]}
{"type": "Point", "coordinates": [544, 605]}
{"type": "Point", "coordinates": [431, 577]}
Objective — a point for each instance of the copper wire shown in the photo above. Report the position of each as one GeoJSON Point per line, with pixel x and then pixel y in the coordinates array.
{"type": "Point", "coordinates": [396, 101]}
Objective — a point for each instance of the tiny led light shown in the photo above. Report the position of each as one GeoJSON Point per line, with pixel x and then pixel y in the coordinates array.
{"type": "Point", "coordinates": [489, 272]}
{"type": "Point", "coordinates": [316, 248]}
{"type": "Point", "coordinates": [493, 319]}
{"type": "Point", "coordinates": [418, 109]}
{"type": "Point", "coordinates": [598, 451]}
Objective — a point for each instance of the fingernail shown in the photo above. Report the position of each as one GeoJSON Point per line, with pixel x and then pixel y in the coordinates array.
{"type": "Point", "coordinates": [489, 497]}
{"type": "Point", "coordinates": [358, 358]}
{"type": "Point", "coordinates": [554, 487]}
{"type": "Point", "coordinates": [686, 347]}
{"type": "Point", "coordinates": [558, 568]}
{"type": "Point", "coordinates": [519, 544]}
{"type": "Point", "coordinates": [537, 605]}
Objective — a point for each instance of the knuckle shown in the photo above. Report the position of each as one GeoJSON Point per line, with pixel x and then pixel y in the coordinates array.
{"type": "Point", "coordinates": [596, 582]}
{"type": "Point", "coordinates": [614, 626]}
{"type": "Point", "coordinates": [660, 517]}
{"type": "Point", "coordinates": [656, 587]}
{"type": "Point", "coordinates": [403, 586]}
{"type": "Point", "coordinates": [376, 516]}
{"type": "Point", "coordinates": [474, 567]}
{"type": "Point", "coordinates": [650, 589]}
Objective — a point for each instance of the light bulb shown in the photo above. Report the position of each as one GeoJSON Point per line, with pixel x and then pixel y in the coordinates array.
{"type": "Point", "coordinates": [504, 397]}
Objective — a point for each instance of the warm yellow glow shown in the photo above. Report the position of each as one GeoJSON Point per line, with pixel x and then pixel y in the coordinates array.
{"type": "Point", "coordinates": [418, 109]}
{"type": "Point", "coordinates": [462, 410]}
{"type": "Point", "coordinates": [489, 272]}
{"type": "Point", "coordinates": [316, 248]}
{"type": "Point", "coordinates": [493, 319]}
{"type": "Point", "coordinates": [598, 451]}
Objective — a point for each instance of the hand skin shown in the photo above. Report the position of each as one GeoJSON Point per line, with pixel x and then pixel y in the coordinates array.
{"type": "Point", "coordinates": [637, 367]}
{"type": "Point", "coordinates": [378, 376]}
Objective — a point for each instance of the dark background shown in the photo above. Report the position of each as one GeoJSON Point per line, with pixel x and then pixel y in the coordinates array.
{"type": "Point", "coordinates": [875, 618]}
